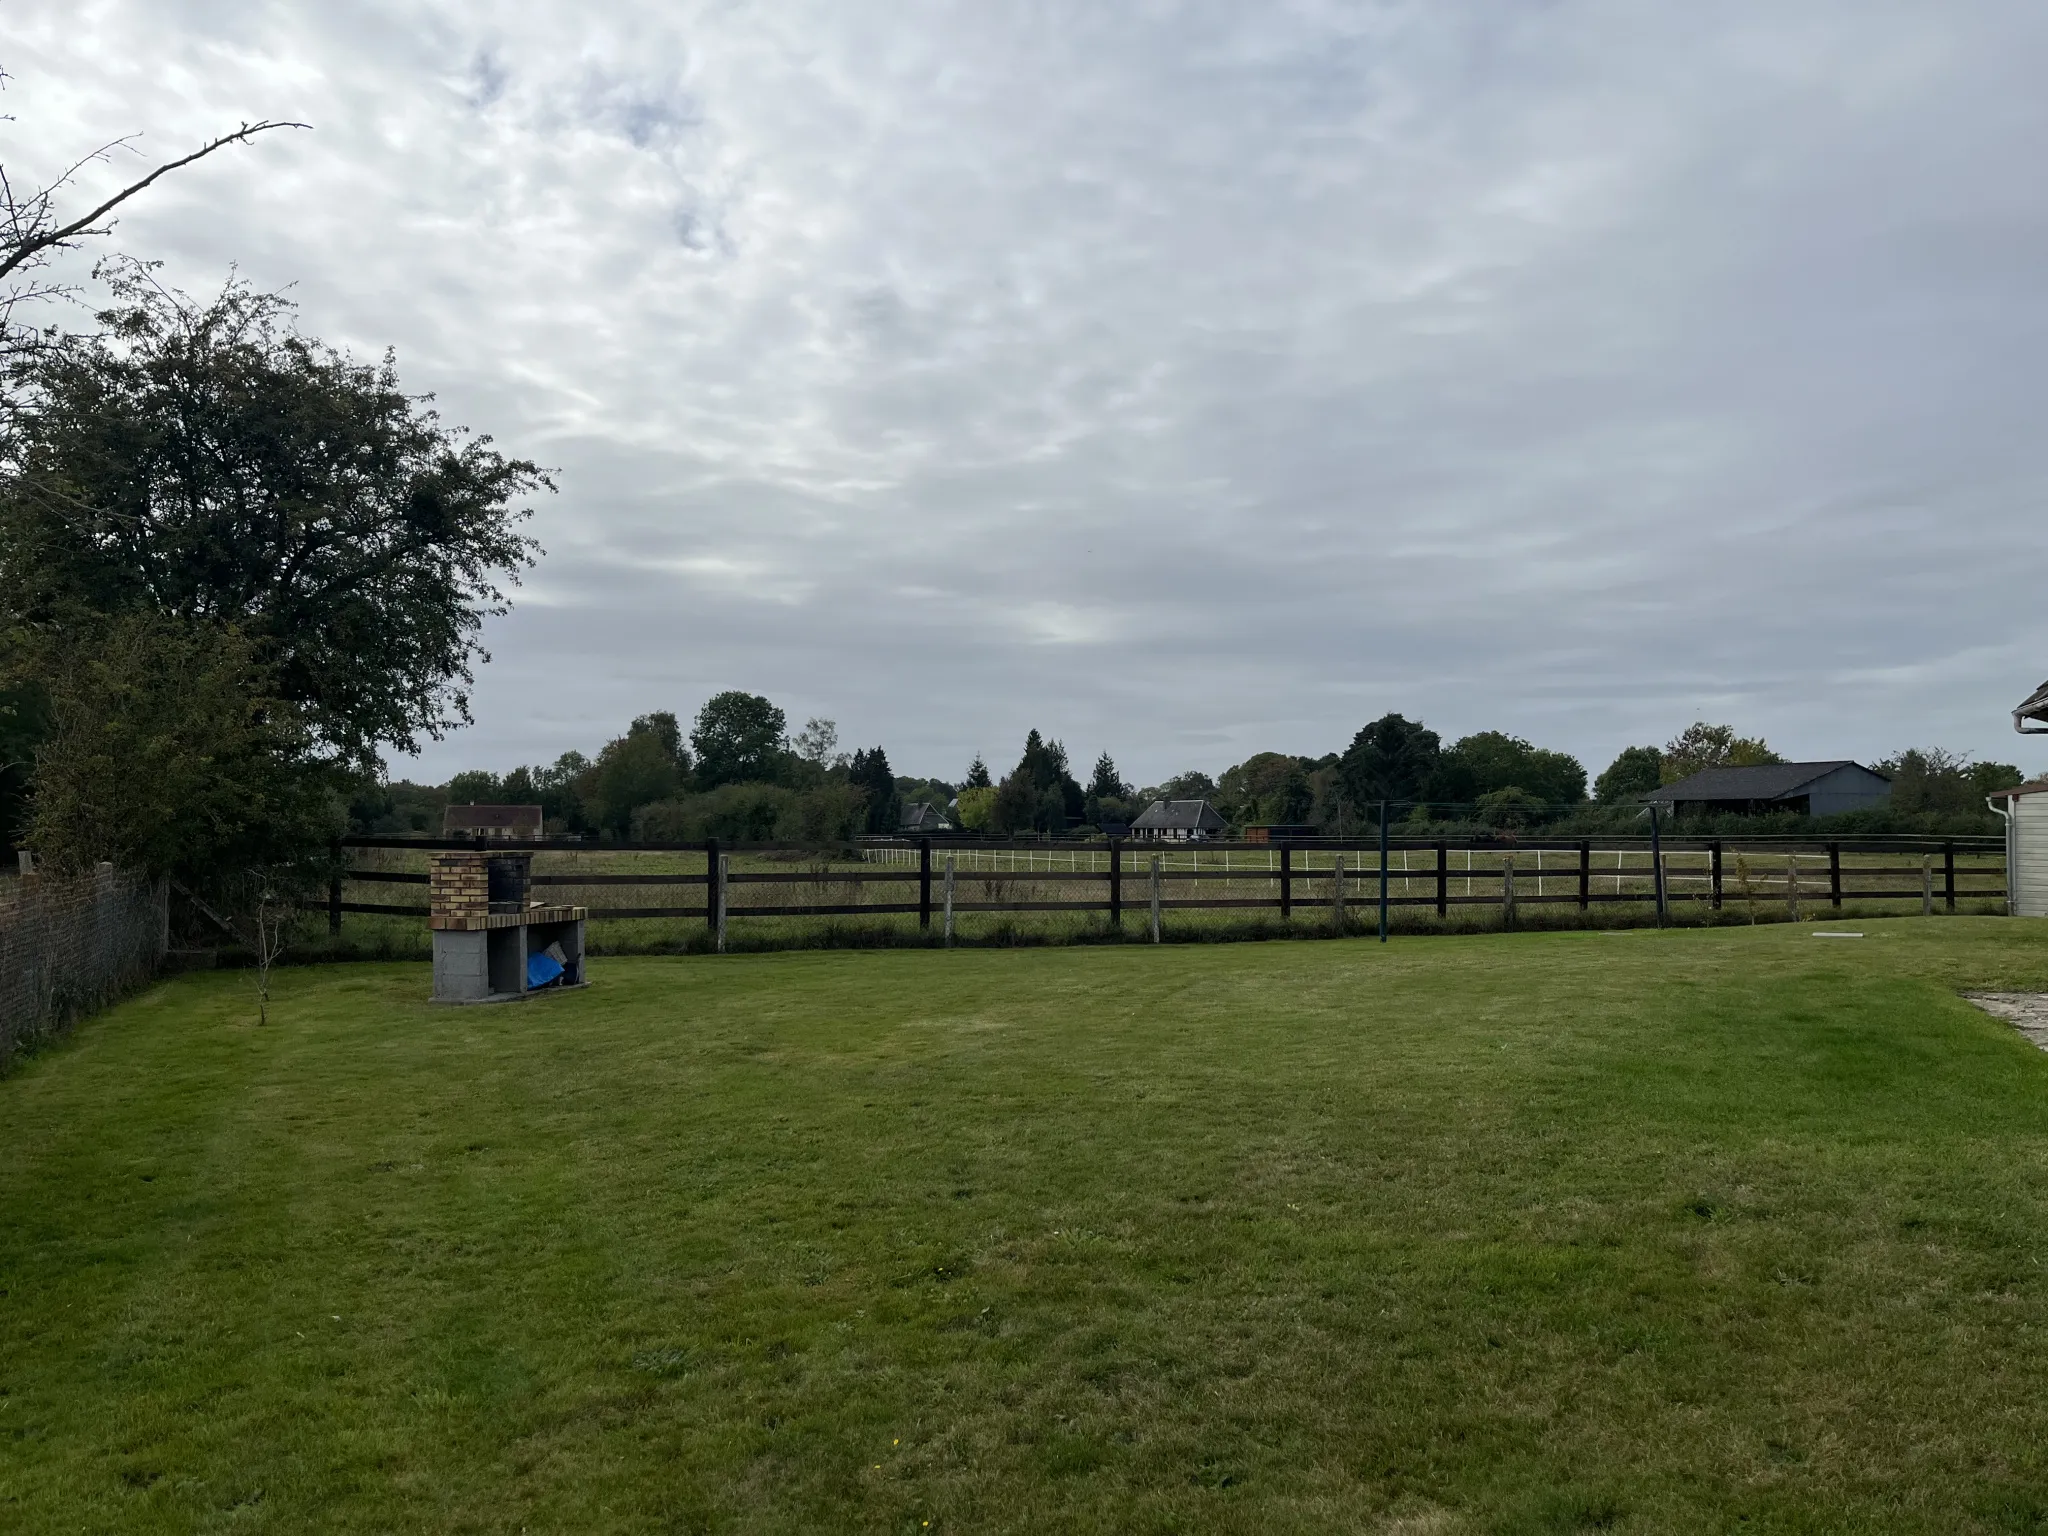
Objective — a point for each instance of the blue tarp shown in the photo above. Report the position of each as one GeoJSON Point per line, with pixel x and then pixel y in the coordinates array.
{"type": "Point", "coordinates": [541, 969]}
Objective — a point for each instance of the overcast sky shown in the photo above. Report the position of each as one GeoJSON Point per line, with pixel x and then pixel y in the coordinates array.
{"type": "Point", "coordinates": [1186, 380]}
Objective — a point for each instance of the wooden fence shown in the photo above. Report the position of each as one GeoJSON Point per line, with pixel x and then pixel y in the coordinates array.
{"type": "Point", "coordinates": [939, 877]}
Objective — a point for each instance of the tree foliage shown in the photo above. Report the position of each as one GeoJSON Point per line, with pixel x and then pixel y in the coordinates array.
{"type": "Point", "coordinates": [870, 774]}
{"type": "Point", "coordinates": [1266, 788]}
{"type": "Point", "coordinates": [205, 463]}
{"type": "Point", "coordinates": [1039, 794]}
{"type": "Point", "coordinates": [739, 739]}
{"type": "Point", "coordinates": [1929, 779]}
{"type": "Point", "coordinates": [1489, 761]}
{"type": "Point", "coordinates": [171, 751]}
{"type": "Point", "coordinates": [634, 770]}
{"type": "Point", "coordinates": [1633, 774]}
{"type": "Point", "coordinates": [1391, 759]}
{"type": "Point", "coordinates": [977, 775]}
{"type": "Point", "coordinates": [1701, 746]}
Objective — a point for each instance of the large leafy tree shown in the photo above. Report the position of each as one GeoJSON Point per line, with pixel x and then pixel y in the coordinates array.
{"type": "Point", "coordinates": [739, 739]}
{"type": "Point", "coordinates": [634, 770]}
{"type": "Point", "coordinates": [1931, 779]}
{"type": "Point", "coordinates": [203, 462]}
{"type": "Point", "coordinates": [1040, 793]}
{"type": "Point", "coordinates": [1391, 759]}
{"type": "Point", "coordinates": [1108, 796]}
{"type": "Point", "coordinates": [171, 752]}
{"type": "Point", "coordinates": [1700, 746]}
{"type": "Point", "coordinates": [1266, 787]}
{"type": "Point", "coordinates": [1489, 761]}
{"type": "Point", "coordinates": [870, 773]}
{"type": "Point", "coordinates": [1634, 772]}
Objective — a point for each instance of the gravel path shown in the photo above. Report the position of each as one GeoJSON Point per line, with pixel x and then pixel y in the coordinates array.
{"type": "Point", "coordinates": [2025, 1011]}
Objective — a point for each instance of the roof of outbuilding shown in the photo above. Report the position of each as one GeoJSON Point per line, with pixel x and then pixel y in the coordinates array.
{"type": "Point", "coordinates": [2033, 707]}
{"type": "Point", "coordinates": [1762, 781]}
{"type": "Point", "coordinates": [1178, 816]}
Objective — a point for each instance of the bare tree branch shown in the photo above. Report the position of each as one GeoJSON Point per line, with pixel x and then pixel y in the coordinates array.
{"type": "Point", "coordinates": [28, 235]}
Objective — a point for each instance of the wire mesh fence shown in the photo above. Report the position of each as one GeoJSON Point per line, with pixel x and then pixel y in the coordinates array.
{"type": "Point", "coordinates": [71, 945]}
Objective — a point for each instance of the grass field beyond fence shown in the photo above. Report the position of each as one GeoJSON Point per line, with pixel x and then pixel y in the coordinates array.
{"type": "Point", "coordinates": [1730, 1229]}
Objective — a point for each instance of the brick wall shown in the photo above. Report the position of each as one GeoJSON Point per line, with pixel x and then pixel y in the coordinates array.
{"type": "Point", "coordinates": [71, 945]}
{"type": "Point", "coordinates": [458, 885]}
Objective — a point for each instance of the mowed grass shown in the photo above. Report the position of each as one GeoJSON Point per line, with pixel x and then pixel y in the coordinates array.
{"type": "Point", "coordinates": [1712, 1230]}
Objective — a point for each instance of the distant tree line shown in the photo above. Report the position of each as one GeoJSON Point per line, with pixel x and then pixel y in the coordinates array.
{"type": "Point", "coordinates": [740, 776]}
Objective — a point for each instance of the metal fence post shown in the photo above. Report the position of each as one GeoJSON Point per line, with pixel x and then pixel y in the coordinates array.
{"type": "Point", "coordinates": [1507, 891]}
{"type": "Point", "coordinates": [1286, 881]}
{"type": "Point", "coordinates": [1155, 898]}
{"type": "Point", "coordinates": [1585, 874]}
{"type": "Point", "coordinates": [1948, 876]}
{"type": "Point", "coordinates": [1835, 876]}
{"type": "Point", "coordinates": [924, 883]}
{"type": "Point", "coordinates": [1443, 879]}
{"type": "Point", "coordinates": [949, 897]}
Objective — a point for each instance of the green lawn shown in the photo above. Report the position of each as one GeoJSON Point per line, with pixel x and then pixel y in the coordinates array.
{"type": "Point", "coordinates": [1711, 1230]}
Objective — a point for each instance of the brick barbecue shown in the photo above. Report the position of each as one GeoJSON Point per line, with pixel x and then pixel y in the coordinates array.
{"type": "Point", "coordinates": [486, 927]}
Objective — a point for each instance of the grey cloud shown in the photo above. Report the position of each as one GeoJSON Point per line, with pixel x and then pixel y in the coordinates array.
{"type": "Point", "coordinates": [1188, 379]}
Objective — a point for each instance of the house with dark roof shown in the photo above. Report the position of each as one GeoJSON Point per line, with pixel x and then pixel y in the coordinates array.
{"type": "Point", "coordinates": [923, 818]}
{"type": "Point", "coordinates": [1812, 789]}
{"type": "Point", "coordinates": [516, 822]}
{"type": "Point", "coordinates": [1178, 821]}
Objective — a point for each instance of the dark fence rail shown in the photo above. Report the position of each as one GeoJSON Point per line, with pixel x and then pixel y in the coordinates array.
{"type": "Point", "coordinates": [1659, 872]}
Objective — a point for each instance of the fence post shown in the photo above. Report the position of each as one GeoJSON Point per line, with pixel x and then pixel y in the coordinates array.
{"type": "Point", "coordinates": [1792, 885]}
{"type": "Point", "coordinates": [1507, 891]}
{"type": "Point", "coordinates": [1155, 898]}
{"type": "Point", "coordinates": [1835, 876]}
{"type": "Point", "coordinates": [1337, 892]}
{"type": "Point", "coordinates": [949, 897]}
{"type": "Point", "coordinates": [724, 874]}
{"type": "Point", "coordinates": [1716, 898]}
{"type": "Point", "coordinates": [1383, 871]}
{"type": "Point", "coordinates": [711, 902]}
{"type": "Point", "coordinates": [1927, 885]}
{"type": "Point", "coordinates": [1116, 883]}
{"type": "Point", "coordinates": [1286, 881]}
{"type": "Point", "coordinates": [334, 889]}
{"type": "Point", "coordinates": [1657, 864]}
{"type": "Point", "coordinates": [1443, 879]}
{"type": "Point", "coordinates": [924, 883]}
{"type": "Point", "coordinates": [1948, 877]}
{"type": "Point", "coordinates": [1585, 874]}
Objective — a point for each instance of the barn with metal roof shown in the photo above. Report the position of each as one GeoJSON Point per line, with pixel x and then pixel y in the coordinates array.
{"type": "Point", "coordinates": [1814, 789]}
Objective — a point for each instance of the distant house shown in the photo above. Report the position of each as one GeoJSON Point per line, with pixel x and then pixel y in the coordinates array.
{"type": "Point", "coordinates": [517, 822]}
{"type": "Point", "coordinates": [922, 819]}
{"type": "Point", "coordinates": [1178, 821]}
{"type": "Point", "coordinates": [1813, 789]}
